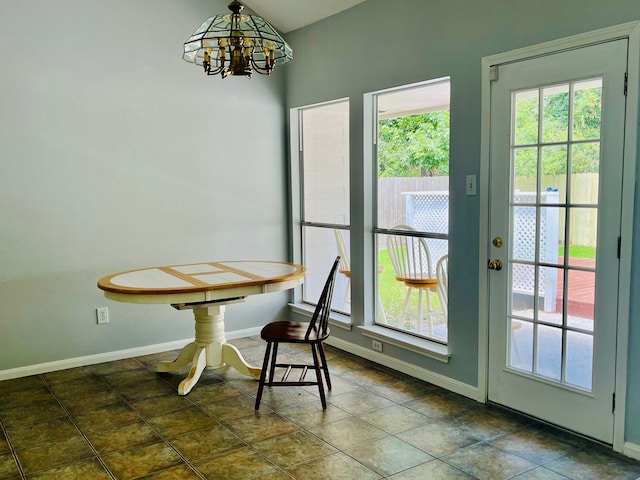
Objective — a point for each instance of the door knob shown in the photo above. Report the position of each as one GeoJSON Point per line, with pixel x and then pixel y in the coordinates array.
{"type": "Point", "coordinates": [497, 242]}
{"type": "Point", "coordinates": [495, 264]}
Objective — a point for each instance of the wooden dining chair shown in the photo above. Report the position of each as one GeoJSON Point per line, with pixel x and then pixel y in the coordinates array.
{"type": "Point", "coordinates": [312, 333]}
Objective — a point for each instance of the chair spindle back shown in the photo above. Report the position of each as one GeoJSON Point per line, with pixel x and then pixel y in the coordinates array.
{"type": "Point", "coordinates": [320, 318]}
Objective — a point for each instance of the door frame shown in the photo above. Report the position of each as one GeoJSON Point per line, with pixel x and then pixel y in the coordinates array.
{"type": "Point", "coordinates": [631, 31]}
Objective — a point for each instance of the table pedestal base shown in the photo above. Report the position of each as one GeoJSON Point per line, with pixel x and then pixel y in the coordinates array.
{"type": "Point", "coordinates": [209, 350]}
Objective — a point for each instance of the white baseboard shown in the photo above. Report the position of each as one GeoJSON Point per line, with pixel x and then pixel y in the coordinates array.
{"type": "Point", "coordinates": [110, 356]}
{"type": "Point", "coordinates": [631, 450]}
{"type": "Point", "coordinates": [90, 359]}
{"type": "Point", "coordinates": [408, 368]}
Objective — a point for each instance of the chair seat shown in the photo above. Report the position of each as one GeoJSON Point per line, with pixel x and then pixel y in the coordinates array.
{"type": "Point", "coordinates": [291, 332]}
{"type": "Point", "coordinates": [417, 282]}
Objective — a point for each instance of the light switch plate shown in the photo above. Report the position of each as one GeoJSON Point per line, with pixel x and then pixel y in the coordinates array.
{"type": "Point", "coordinates": [471, 185]}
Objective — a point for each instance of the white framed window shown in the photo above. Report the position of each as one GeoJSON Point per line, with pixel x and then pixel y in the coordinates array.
{"type": "Point", "coordinates": [411, 215]}
{"type": "Point", "coordinates": [323, 156]}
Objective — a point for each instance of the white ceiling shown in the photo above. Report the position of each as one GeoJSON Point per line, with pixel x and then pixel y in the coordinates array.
{"type": "Point", "coordinates": [288, 15]}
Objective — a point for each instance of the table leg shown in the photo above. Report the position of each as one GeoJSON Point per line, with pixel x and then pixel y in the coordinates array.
{"type": "Point", "coordinates": [197, 367]}
{"type": "Point", "coordinates": [185, 357]}
{"type": "Point", "coordinates": [232, 357]}
{"type": "Point", "coordinates": [209, 350]}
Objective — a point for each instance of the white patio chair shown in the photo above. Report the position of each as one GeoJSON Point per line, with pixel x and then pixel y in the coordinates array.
{"type": "Point", "coordinates": [442, 274]}
{"type": "Point", "coordinates": [411, 261]}
{"type": "Point", "coordinates": [345, 269]}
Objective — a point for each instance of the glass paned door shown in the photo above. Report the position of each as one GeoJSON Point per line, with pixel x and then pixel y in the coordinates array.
{"type": "Point", "coordinates": [556, 174]}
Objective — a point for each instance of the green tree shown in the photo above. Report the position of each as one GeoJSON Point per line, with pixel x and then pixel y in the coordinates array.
{"type": "Point", "coordinates": [414, 145]}
{"type": "Point", "coordinates": [587, 104]}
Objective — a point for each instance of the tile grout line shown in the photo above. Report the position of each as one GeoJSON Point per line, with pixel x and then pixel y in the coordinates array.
{"type": "Point", "coordinates": [146, 422]}
{"type": "Point", "coordinates": [72, 420]}
{"type": "Point", "coordinates": [11, 449]}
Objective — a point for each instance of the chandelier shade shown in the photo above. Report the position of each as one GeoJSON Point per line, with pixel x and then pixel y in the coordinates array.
{"type": "Point", "coordinates": [237, 44]}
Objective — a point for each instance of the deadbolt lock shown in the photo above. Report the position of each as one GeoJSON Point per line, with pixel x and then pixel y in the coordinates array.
{"type": "Point", "coordinates": [495, 264]}
{"type": "Point", "coordinates": [497, 242]}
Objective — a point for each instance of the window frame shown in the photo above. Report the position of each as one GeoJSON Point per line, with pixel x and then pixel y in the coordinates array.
{"type": "Point", "coordinates": [402, 337]}
{"type": "Point", "coordinates": [299, 221]}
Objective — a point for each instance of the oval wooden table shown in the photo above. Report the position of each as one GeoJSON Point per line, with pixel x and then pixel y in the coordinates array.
{"type": "Point", "coordinates": [205, 288]}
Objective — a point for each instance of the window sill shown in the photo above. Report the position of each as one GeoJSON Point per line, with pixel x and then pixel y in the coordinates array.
{"type": "Point", "coordinates": [336, 319]}
{"type": "Point", "coordinates": [408, 342]}
{"type": "Point", "coordinates": [421, 346]}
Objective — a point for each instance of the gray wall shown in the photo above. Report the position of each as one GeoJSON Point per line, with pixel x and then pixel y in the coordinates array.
{"type": "Point", "coordinates": [116, 154]}
{"type": "Point", "coordinates": [381, 44]}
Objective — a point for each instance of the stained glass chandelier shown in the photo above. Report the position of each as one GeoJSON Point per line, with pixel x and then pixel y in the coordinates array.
{"type": "Point", "coordinates": [237, 44]}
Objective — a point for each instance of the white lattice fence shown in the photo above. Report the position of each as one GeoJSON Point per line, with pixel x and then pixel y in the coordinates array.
{"type": "Point", "coordinates": [523, 231]}
{"type": "Point", "coordinates": [429, 212]}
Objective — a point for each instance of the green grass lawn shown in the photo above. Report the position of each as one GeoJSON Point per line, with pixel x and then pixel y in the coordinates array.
{"type": "Point", "coordinates": [579, 251]}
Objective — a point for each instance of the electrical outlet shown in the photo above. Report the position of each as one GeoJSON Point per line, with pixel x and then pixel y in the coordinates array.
{"type": "Point", "coordinates": [102, 314]}
{"type": "Point", "coordinates": [376, 345]}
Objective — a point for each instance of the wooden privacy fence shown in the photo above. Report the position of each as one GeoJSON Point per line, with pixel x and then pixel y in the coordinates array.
{"type": "Point", "coordinates": [392, 208]}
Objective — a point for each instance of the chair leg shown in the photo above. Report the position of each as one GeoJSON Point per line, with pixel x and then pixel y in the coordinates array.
{"type": "Point", "coordinates": [420, 312]}
{"type": "Point", "coordinates": [406, 304]}
{"type": "Point", "coordinates": [272, 369]}
{"type": "Point", "coordinates": [324, 365]}
{"type": "Point", "coordinates": [263, 375]}
{"type": "Point", "coordinates": [347, 294]}
{"type": "Point", "coordinates": [381, 308]}
{"type": "Point", "coordinates": [316, 365]}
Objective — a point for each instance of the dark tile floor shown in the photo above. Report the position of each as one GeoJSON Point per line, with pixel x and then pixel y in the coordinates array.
{"type": "Point", "coordinates": [121, 420]}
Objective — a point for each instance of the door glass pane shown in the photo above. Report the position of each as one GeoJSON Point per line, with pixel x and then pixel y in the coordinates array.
{"type": "Point", "coordinates": [549, 305]}
{"type": "Point", "coordinates": [549, 352]}
{"type": "Point", "coordinates": [525, 168]}
{"type": "Point", "coordinates": [587, 109]}
{"type": "Point", "coordinates": [550, 230]}
{"type": "Point", "coordinates": [526, 117]}
{"type": "Point", "coordinates": [585, 168]}
{"type": "Point", "coordinates": [581, 299]}
{"type": "Point", "coordinates": [522, 285]}
{"type": "Point", "coordinates": [555, 117]}
{"type": "Point", "coordinates": [579, 359]}
{"type": "Point", "coordinates": [523, 232]}
{"type": "Point", "coordinates": [583, 237]}
{"type": "Point", "coordinates": [554, 173]}
{"type": "Point", "coordinates": [521, 352]}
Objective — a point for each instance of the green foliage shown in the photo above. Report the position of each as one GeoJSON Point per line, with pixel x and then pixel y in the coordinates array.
{"type": "Point", "coordinates": [585, 157]}
{"type": "Point", "coordinates": [414, 145]}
